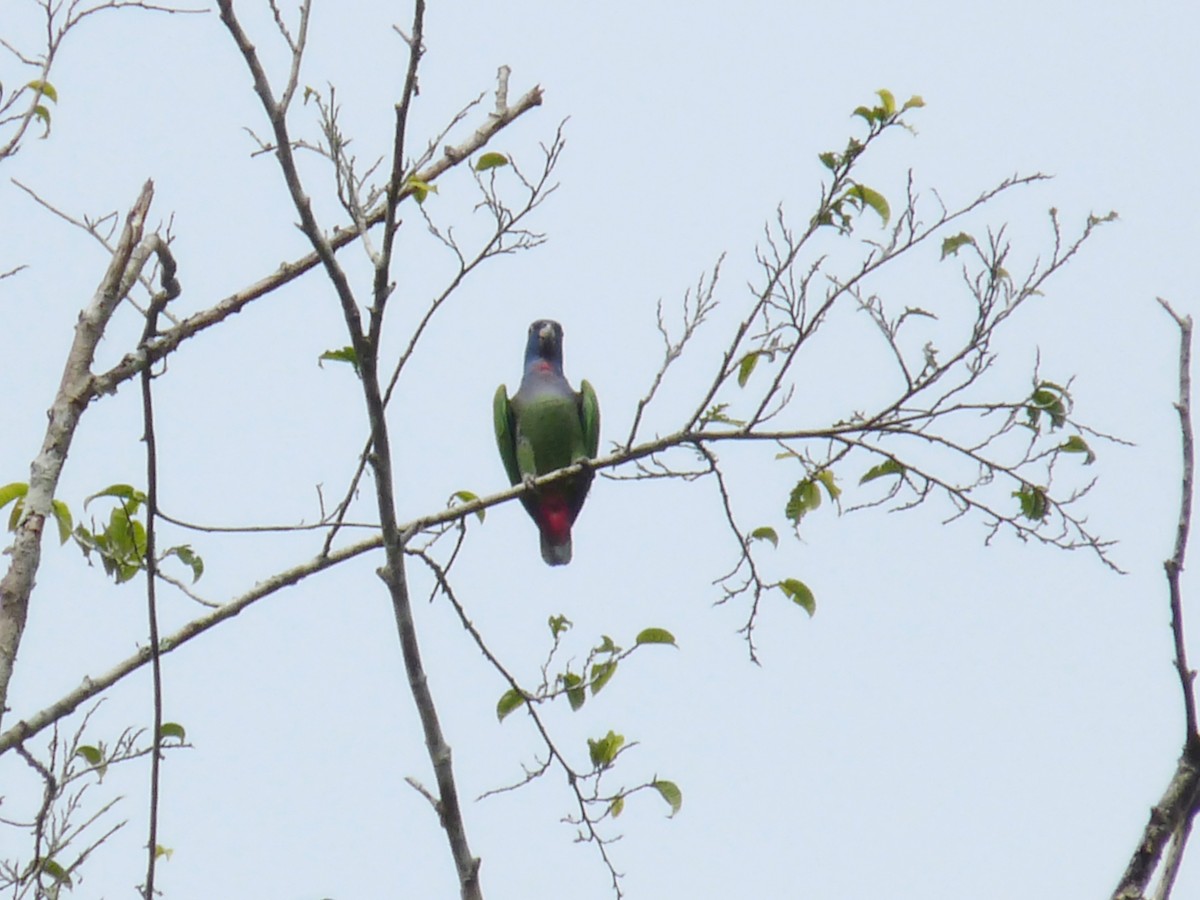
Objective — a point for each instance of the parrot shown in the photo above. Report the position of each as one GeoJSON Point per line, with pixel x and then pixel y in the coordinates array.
{"type": "Point", "coordinates": [545, 426]}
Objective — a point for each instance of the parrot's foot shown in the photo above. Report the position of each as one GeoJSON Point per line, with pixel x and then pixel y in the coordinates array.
{"type": "Point", "coordinates": [527, 480]}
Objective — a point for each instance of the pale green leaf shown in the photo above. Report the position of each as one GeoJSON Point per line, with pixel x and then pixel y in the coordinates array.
{"type": "Point", "coordinates": [870, 197]}
{"type": "Point", "coordinates": [468, 497]}
{"type": "Point", "coordinates": [46, 88]}
{"type": "Point", "coordinates": [11, 492]}
{"type": "Point", "coordinates": [765, 533]}
{"type": "Point", "coordinates": [670, 792]}
{"type": "Point", "coordinates": [887, 467]}
{"type": "Point", "coordinates": [91, 755]}
{"type": "Point", "coordinates": [655, 636]}
{"type": "Point", "coordinates": [602, 674]}
{"type": "Point", "coordinates": [55, 871]}
{"type": "Point", "coordinates": [805, 497]}
{"type": "Point", "coordinates": [576, 692]}
{"type": "Point", "coordinates": [125, 492]}
{"type": "Point", "coordinates": [1076, 444]}
{"type": "Point", "coordinates": [511, 699]}
{"type": "Point", "coordinates": [345, 354]}
{"type": "Point", "coordinates": [954, 243]}
{"type": "Point", "coordinates": [798, 592]}
{"type": "Point", "coordinates": [604, 750]}
{"type": "Point", "coordinates": [827, 478]}
{"type": "Point", "coordinates": [420, 189]}
{"type": "Point", "coordinates": [746, 367]}
{"type": "Point", "coordinates": [490, 161]}
{"type": "Point", "coordinates": [62, 515]}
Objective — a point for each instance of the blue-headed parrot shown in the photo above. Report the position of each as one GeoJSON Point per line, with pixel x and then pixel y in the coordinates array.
{"type": "Point", "coordinates": [546, 426]}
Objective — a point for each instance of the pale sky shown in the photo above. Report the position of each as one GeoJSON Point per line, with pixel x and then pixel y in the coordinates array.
{"type": "Point", "coordinates": [956, 720]}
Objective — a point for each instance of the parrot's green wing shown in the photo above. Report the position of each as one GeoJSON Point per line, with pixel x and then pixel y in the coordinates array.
{"type": "Point", "coordinates": [502, 415]}
{"type": "Point", "coordinates": [589, 415]}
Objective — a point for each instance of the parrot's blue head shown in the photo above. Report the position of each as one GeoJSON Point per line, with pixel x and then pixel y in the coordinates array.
{"type": "Point", "coordinates": [545, 344]}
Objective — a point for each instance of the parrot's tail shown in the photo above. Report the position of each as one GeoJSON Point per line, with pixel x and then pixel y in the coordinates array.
{"type": "Point", "coordinates": [556, 554]}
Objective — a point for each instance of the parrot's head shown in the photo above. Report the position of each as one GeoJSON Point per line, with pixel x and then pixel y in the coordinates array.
{"type": "Point", "coordinates": [545, 343]}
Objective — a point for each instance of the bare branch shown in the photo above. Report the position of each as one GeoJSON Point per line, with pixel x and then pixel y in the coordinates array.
{"type": "Point", "coordinates": [1171, 819]}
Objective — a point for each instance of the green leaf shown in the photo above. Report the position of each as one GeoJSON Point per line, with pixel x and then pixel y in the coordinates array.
{"type": "Point", "coordinates": [670, 792]}
{"type": "Point", "coordinates": [798, 592]}
{"type": "Point", "coordinates": [749, 361]}
{"type": "Point", "coordinates": [346, 355]}
{"type": "Point", "coordinates": [1052, 399]}
{"type": "Point", "coordinates": [490, 161]}
{"type": "Point", "coordinates": [805, 497]}
{"type": "Point", "coordinates": [511, 700]}
{"type": "Point", "coordinates": [913, 102]}
{"type": "Point", "coordinates": [62, 515]}
{"type": "Point", "coordinates": [765, 533]}
{"type": "Point", "coordinates": [91, 755]}
{"type": "Point", "coordinates": [133, 497]}
{"type": "Point", "coordinates": [607, 645]}
{"type": "Point", "coordinates": [866, 113]}
{"type": "Point", "coordinates": [827, 478]}
{"type": "Point", "coordinates": [55, 871]}
{"type": "Point", "coordinates": [94, 757]}
{"type": "Point", "coordinates": [655, 636]}
{"type": "Point", "coordinates": [172, 730]}
{"type": "Point", "coordinates": [559, 624]}
{"type": "Point", "coordinates": [829, 160]}
{"type": "Point", "coordinates": [1034, 505]}
{"type": "Point", "coordinates": [617, 806]}
{"type": "Point", "coordinates": [888, 101]}
{"type": "Point", "coordinates": [420, 189]}
{"type": "Point", "coordinates": [1076, 444]}
{"type": "Point", "coordinates": [887, 467]}
{"type": "Point", "coordinates": [46, 88]}
{"type": "Point", "coordinates": [604, 750]}
{"type": "Point", "coordinates": [602, 674]}
{"type": "Point", "coordinates": [468, 497]}
{"type": "Point", "coordinates": [954, 243]}
{"type": "Point", "coordinates": [189, 557]}
{"type": "Point", "coordinates": [43, 116]}
{"type": "Point", "coordinates": [576, 692]}
{"type": "Point", "coordinates": [866, 196]}
{"type": "Point", "coordinates": [716, 413]}
{"type": "Point", "coordinates": [11, 492]}
{"type": "Point", "coordinates": [161, 852]}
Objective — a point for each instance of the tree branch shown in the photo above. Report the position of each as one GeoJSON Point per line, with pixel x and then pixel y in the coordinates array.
{"type": "Point", "coordinates": [1170, 820]}
{"type": "Point", "coordinates": [74, 393]}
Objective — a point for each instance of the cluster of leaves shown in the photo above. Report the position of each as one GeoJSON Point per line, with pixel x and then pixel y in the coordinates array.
{"type": "Point", "coordinates": [855, 197]}
{"type": "Point", "coordinates": [596, 672]}
{"type": "Point", "coordinates": [120, 544]}
{"type": "Point", "coordinates": [62, 838]}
